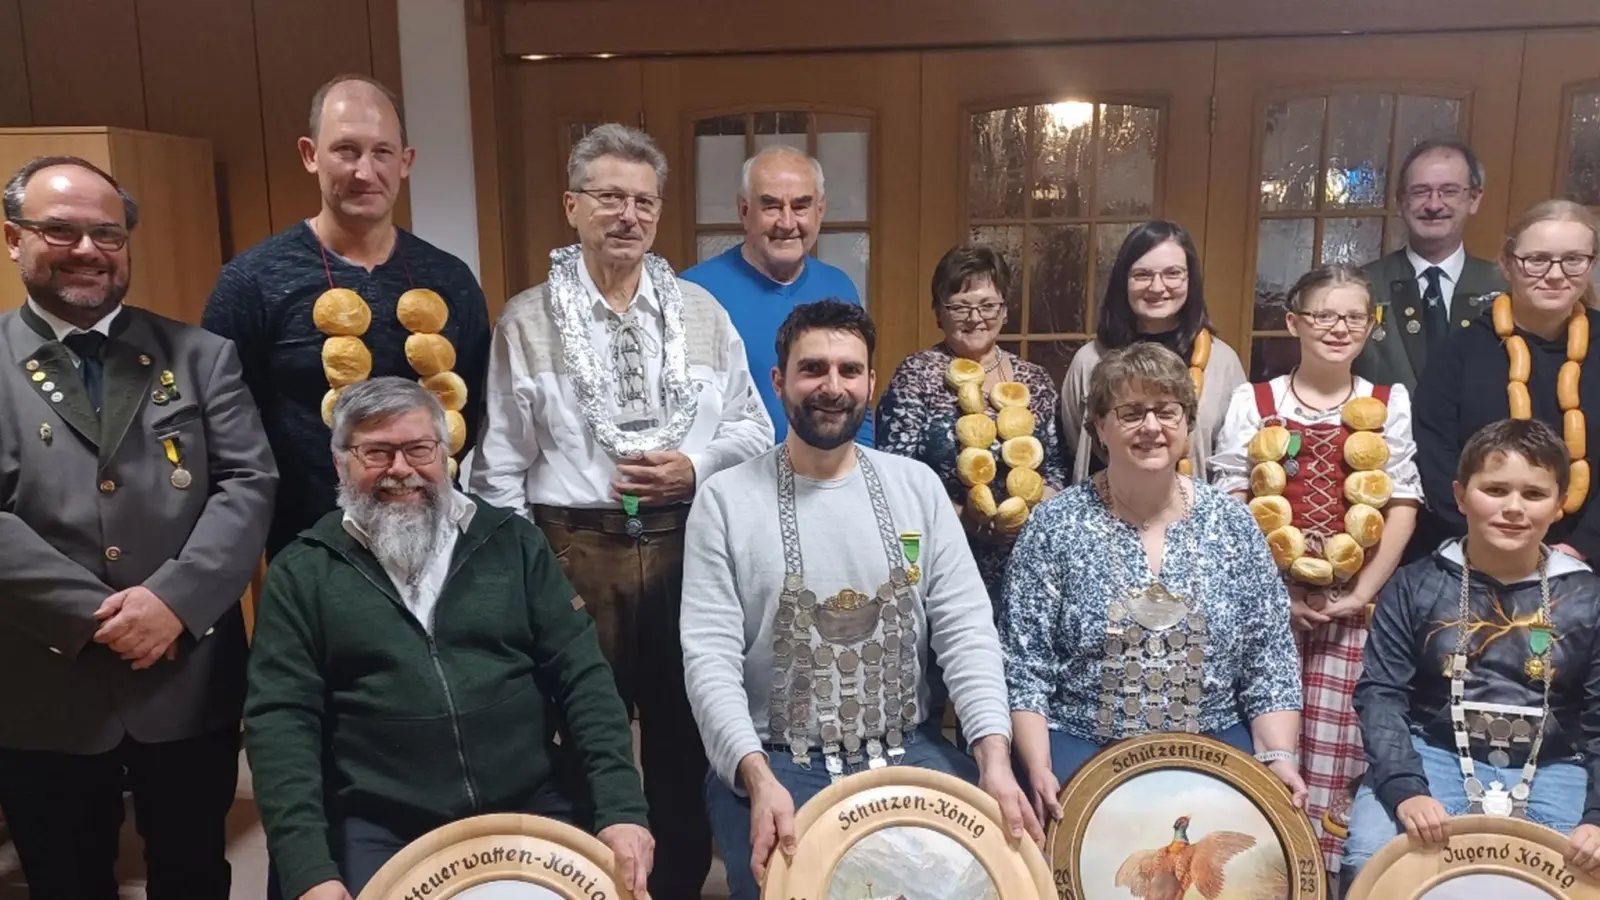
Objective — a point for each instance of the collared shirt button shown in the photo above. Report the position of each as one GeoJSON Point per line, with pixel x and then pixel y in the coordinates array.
{"type": "Point", "coordinates": [107, 486]}
{"type": "Point", "coordinates": [113, 553]}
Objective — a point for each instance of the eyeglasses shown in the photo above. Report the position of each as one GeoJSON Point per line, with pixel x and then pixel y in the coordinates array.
{"type": "Point", "coordinates": [381, 456]}
{"type": "Point", "coordinates": [1171, 277]}
{"type": "Point", "coordinates": [964, 312]}
{"type": "Point", "coordinates": [1132, 415]}
{"type": "Point", "coordinates": [1324, 320]}
{"type": "Point", "coordinates": [1537, 265]}
{"type": "Point", "coordinates": [1420, 193]}
{"type": "Point", "coordinates": [645, 206]}
{"type": "Point", "coordinates": [66, 234]}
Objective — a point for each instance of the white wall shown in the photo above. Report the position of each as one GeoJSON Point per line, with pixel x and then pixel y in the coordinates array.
{"type": "Point", "coordinates": [433, 67]}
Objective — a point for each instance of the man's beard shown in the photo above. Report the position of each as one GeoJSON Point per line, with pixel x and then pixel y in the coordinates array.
{"type": "Point", "coordinates": [803, 418]}
{"type": "Point", "coordinates": [403, 536]}
{"type": "Point", "coordinates": [44, 285]}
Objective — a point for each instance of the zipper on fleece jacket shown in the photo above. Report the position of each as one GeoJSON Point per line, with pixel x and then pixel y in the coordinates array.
{"type": "Point", "coordinates": [433, 653]}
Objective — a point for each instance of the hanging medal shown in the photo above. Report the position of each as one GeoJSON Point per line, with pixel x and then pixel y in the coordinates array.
{"type": "Point", "coordinates": [630, 505]}
{"type": "Point", "coordinates": [180, 477]}
{"type": "Point", "coordinates": [911, 544]}
{"type": "Point", "coordinates": [1539, 636]}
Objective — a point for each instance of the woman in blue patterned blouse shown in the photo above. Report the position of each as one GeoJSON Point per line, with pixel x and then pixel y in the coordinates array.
{"type": "Point", "coordinates": [919, 411]}
{"type": "Point", "coordinates": [1143, 600]}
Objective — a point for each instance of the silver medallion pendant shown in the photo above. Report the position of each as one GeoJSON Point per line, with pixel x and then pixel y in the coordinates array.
{"type": "Point", "coordinates": [1156, 608]}
{"type": "Point", "coordinates": [1496, 802]}
{"type": "Point", "coordinates": [1499, 758]}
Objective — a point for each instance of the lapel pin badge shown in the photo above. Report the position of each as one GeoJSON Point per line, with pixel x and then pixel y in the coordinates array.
{"type": "Point", "coordinates": [45, 433]}
{"type": "Point", "coordinates": [159, 398]}
{"type": "Point", "coordinates": [38, 376]}
{"type": "Point", "coordinates": [32, 365]}
{"type": "Point", "coordinates": [1413, 326]}
{"type": "Point", "coordinates": [170, 384]}
{"type": "Point", "coordinates": [144, 359]}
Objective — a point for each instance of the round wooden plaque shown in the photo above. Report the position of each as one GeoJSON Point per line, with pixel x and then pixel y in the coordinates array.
{"type": "Point", "coordinates": [1163, 814]}
{"type": "Point", "coordinates": [905, 831]}
{"type": "Point", "coordinates": [499, 857]}
{"type": "Point", "coordinates": [1486, 857]}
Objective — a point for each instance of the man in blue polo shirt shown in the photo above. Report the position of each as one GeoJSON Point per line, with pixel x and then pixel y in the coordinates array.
{"type": "Point", "coordinates": [759, 282]}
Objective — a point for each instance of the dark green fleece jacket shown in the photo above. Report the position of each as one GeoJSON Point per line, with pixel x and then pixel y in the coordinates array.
{"type": "Point", "coordinates": [354, 710]}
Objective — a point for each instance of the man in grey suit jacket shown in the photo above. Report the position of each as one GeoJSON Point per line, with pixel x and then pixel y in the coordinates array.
{"type": "Point", "coordinates": [1432, 287]}
{"type": "Point", "coordinates": [136, 489]}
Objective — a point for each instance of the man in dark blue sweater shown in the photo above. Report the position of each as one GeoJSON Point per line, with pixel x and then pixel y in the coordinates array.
{"type": "Point", "coordinates": [294, 359]}
{"type": "Point", "coordinates": [760, 281]}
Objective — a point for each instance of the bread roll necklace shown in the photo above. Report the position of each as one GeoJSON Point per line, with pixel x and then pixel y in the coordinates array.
{"type": "Point", "coordinates": [1575, 429]}
{"type": "Point", "coordinates": [344, 317]}
{"type": "Point", "coordinates": [976, 432]}
{"type": "Point", "coordinates": [1325, 555]}
{"type": "Point", "coordinates": [1199, 356]}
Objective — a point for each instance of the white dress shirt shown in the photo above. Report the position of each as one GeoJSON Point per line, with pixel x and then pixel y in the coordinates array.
{"type": "Point", "coordinates": [536, 448]}
{"type": "Point", "coordinates": [64, 329]}
{"type": "Point", "coordinates": [1451, 268]}
{"type": "Point", "coordinates": [422, 595]}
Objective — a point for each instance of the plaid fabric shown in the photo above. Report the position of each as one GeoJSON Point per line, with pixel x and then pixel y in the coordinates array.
{"type": "Point", "coordinates": [1331, 753]}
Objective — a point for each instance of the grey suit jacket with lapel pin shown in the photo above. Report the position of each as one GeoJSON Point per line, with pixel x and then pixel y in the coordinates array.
{"type": "Point", "coordinates": [1398, 352]}
{"type": "Point", "coordinates": [93, 505]}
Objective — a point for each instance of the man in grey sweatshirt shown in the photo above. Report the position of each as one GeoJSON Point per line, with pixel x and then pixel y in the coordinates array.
{"type": "Point", "coordinates": [818, 577]}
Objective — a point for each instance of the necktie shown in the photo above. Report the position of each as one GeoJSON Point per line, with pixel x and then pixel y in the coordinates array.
{"type": "Point", "coordinates": [87, 345]}
{"type": "Point", "coordinates": [1436, 308]}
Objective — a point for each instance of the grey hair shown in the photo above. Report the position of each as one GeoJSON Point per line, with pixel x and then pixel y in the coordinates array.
{"type": "Point", "coordinates": [381, 399]}
{"type": "Point", "coordinates": [620, 141]}
{"type": "Point", "coordinates": [16, 189]}
{"type": "Point", "coordinates": [774, 151]}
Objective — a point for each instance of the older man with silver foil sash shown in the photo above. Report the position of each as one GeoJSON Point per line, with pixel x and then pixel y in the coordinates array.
{"type": "Point", "coordinates": [614, 390]}
{"type": "Point", "coordinates": [818, 580]}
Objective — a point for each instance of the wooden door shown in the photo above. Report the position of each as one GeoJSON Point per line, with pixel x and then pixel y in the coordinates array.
{"type": "Point", "coordinates": [1558, 121]}
{"type": "Point", "coordinates": [1053, 155]}
{"type": "Point", "coordinates": [856, 113]}
{"type": "Point", "coordinates": [1308, 135]}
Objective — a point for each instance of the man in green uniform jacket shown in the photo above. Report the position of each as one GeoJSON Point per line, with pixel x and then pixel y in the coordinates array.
{"type": "Point", "coordinates": [415, 655]}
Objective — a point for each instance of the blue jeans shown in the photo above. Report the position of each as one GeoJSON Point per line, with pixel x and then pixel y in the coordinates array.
{"type": "Point", "coordinates": [1068, 753]}
{"type": "Point", "coordinates": [730, 812]}
{"type": "Point", "coordinates": [1555, 801]}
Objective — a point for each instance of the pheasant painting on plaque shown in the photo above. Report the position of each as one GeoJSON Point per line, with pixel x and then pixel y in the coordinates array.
{"type": "Point", "coordinates": [1181, 835]}
{"type": "Point", "coordinates": [910, 863]}
{"type": "Point", "coordinates": [1483, 885]}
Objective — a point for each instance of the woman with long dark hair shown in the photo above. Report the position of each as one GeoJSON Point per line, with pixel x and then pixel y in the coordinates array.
{"type": "Point", "coordinates": [1154, 293]}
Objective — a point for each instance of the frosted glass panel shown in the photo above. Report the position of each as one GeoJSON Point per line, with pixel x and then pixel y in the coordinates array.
{"type": "Point", "coordinates": [1058, 256]}
{"type": "Point", "coordinates": [717, 161]}
{"type": "Point", "coordinates": [850, 251]}
{"type": "Point", "coordinates": [709, 245]}
{"type": "Point", "coordinates": [1107, 242]}
{"type": "Point", "coordinates": [1425, 118]}
{"type": "Point", "coordinates": [1289, 154]}
{"type": "Point", "coordinates": [1055, 356]}
{"type": "Point", "coordinates": [1583, 150]}
{"type": "Point", "coordinates": [1066, 157]}
{"type": "Point", "coordinates": [1358, 150]}
{"type": "Point", "coordinates": [1125, 179]}
{"type": "Point", "coordinates": [1282, 256]}
{"type": "Point", "coordinates": [1352, 241]}
{"type": "Point", "coordinates": [998, 163]}
{"type": "Point", "coordinates": [846, 164]}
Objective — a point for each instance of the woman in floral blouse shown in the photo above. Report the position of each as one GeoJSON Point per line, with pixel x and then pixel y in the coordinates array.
{"type": "Point", "coordinates": [918, 413]}
{"type": "Point", "coordinates": [1144, 600]}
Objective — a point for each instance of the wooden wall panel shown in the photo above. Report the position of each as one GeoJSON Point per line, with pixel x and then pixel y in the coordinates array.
{"type": "Point", "coordinates": [223, 107]}
{"type": "Point", "coordinates": [83, 62]}
{"type": "Point", "coordinates": [584, 27]}
{"type": "Point", "coordinates": [299, 45]}
{"type": "Point", "coordinates": [486, 91]}
{"type": "Point", "coordinates": [176, 254]}
{"type": "Point", "coordinates": [16, 109]}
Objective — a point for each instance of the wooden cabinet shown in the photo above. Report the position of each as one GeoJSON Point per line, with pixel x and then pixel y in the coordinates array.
{"type": "Point", "coordinates": [177, 247]}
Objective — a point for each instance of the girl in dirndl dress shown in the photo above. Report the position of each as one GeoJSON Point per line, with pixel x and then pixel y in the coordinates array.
{"type": "Point", "coordinates": [1325, 460]}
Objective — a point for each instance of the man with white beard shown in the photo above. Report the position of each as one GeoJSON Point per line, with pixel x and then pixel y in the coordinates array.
{"type": "Point", "coordinates": [432, 641]}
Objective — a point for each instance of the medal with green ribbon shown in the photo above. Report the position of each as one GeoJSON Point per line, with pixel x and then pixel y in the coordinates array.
{"type": "Point", "coordinates": [1539, 638]}
{"type": "Point", "coordinates": [911, 543]}
{"type": "Point", "coordinates": [630, 505]}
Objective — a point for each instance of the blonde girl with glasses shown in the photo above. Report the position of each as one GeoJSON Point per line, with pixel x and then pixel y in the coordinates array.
{"type": "Point", "coordinates": [1325, 459]}
{"type": "Point", "coordinates": [1526, 356]}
